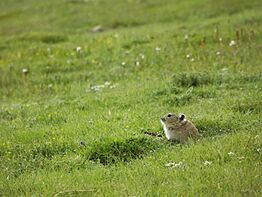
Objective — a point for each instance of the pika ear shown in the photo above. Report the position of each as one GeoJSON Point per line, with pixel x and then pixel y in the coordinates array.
{"type": "Point", "coordinates": [181, 117]}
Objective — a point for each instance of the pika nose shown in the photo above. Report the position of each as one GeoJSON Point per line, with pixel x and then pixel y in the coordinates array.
{"type": "Point", "coordinates": [163, 119]}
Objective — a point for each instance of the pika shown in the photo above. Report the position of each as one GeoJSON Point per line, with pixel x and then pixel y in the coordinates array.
{"type": "Point", "coordinates": [178, 128]}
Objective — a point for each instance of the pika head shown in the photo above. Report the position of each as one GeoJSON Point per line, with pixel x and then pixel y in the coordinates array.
{"type": "Point", "coordinates": [171, 118]}
{"type": "Point", "coordinates": [177, 127]}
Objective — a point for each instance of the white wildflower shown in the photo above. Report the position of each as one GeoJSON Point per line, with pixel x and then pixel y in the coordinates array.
{"type": "Point", "coordinates": [241, 158]}
{"type": "Point", "coordinates": [186, 37]}
{"type": "Point", "coordinates": [142, 56]}
{"type": "Point", "coordinates": [231, 153]}
{"type": "Point", "coordinates": [77, 157]}
{"type": "Point", "coordinates": [123, 63]}
{"type": "Point", "coordinates": [192, 59]}
{"type": "Point", "coordinates": [258, 150]}
{"type": "Point", "coordinates": [218, 53]}
{"type": "Point", "coordinates": [220, 39]}
{"type": "Point", "coordinates": [207, 163]}
{"type": "Point", "coordinates": [179, 164]}
{"type": "Point", "coordinates": [175, 165]}
{"type": "Point", "coordinates": [97, 28]}
{"type": "Point", "coordinates": [107, 83]}
{"type": "Point", "coordinates": [224, 69]}
{"type": "Point", "coordinates": [97, 88]}
{"type": "Point", "coordinates": [112, 86]}
{"type": "Point", "coordinates": [232, 43]}
{"type": "Point", "coordinates": [188, 56]}
{"type": "Point", "coordinates": [158, 49]}
{"type": "Point", "coordinates": [25, 70]}
{"type": "Point", "coordinates": [169, 164]}
{"type": "Point", "coordinates": [78, 49]}
{"type": "Point", "coordinates": [137, 63]}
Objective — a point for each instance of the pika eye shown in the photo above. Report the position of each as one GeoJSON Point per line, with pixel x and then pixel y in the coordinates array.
{"type": "Point", "coordinates": [169, 115]}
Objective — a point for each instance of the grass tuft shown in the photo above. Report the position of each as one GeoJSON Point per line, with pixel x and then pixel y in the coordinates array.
{"type": "Point", "coordinates": [110, 152]}
{"type": "Point", "coordinates": [196, 79]}
{"type": "Point", "coordinates": [53, 39]}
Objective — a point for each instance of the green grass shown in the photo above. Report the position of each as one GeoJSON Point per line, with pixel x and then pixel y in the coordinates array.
{"type": "Point", "coordinates": [75, 122]}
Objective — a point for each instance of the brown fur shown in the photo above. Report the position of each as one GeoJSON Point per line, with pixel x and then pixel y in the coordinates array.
{"type": "Point", "coordinates": [178, 128]}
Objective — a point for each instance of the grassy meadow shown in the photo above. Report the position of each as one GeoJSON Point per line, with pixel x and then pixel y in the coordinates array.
{"type": "Point", "coordinates": [75, 101]}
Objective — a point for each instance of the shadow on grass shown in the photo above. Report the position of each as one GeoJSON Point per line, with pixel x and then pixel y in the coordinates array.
{"type": "Point", "coordinates": [211, 128]}
{"type": "Point", "coordinates": [110, 152]}
{"type": "Point", "coordinates": [48, 39]}
{"type": "Point", "coordinates": [197, 79]}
